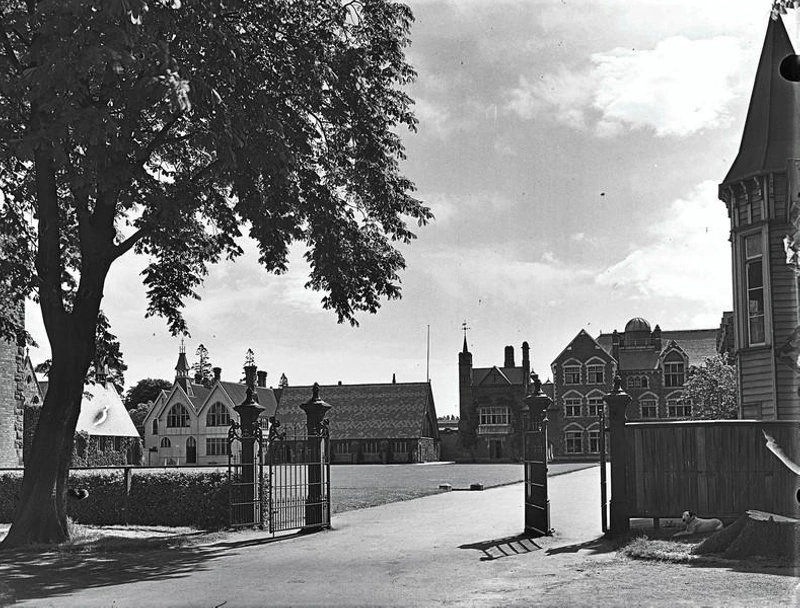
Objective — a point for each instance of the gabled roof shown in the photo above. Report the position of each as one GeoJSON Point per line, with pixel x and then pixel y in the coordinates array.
{"type": "Point", "coordinates": [583, 335]}
{"type": "Point", "coordinates": [365, 411]}
{"type": "Point", "coordinates": [103, 413]}
{"type": "Point", "coordinates": [772, 129]}
{"type": "Point", "coordinates": [511, 375]}
{"type": "Point", "coordinates": [238, 392]}
{"type": "Point", "coordinates": [494, 375]}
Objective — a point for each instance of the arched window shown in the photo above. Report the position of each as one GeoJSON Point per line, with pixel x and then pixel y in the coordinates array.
{"type": "Point", "coordinates": [155, 426]}
{"type": "Point", "coordinates": [218, 415]}
{"type": "Point", "coordinates": [177, 417]}
{"type": "Point", "coordinates": [572, 372]}
{"type": "Point", "coordinates": [166, 443]}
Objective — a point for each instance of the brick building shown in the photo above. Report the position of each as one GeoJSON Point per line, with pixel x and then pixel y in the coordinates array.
{"type": "Point", "coordinates": [490, 407]}
{"type": "Point", "coordinates": [653, 365]}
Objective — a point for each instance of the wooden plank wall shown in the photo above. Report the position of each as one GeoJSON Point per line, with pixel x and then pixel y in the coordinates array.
{"type": "Point", "coordinates": [716, 469]}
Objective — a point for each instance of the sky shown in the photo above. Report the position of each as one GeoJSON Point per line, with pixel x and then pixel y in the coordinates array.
{"type": "Point", "coordinates": [570, 151]}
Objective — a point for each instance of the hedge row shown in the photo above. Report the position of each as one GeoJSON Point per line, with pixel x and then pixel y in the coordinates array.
{"type": "Point", "coordinates": [161, 498]}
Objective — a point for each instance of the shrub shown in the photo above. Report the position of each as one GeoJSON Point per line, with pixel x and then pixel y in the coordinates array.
{"type": "Point", "coordinates": [166, 498]}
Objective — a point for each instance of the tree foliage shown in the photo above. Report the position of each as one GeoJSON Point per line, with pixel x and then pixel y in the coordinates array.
{"type": "Point", "coordinates": [713, 390]}
{"type": "Point", "coordinates": [203, 368]}
{"type": "Point", "coordinates": [144, 391]}
{"type": "Point", "coordinates": [172, 129]}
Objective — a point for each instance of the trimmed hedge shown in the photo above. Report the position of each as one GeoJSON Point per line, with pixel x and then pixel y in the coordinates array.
{"type": "Point", "coordinates": [164, 498]}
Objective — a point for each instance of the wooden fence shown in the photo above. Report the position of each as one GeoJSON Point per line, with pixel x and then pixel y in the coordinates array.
{"type": "Point", "coordinates": [716, 469]}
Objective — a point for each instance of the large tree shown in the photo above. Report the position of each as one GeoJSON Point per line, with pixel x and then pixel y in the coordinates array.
{"type": "Point", "coordinates": [170, 128]}
{"type": "Point", "coordinates": [108, 354]}
{"type": "Point", "coordinates": [713, 389]}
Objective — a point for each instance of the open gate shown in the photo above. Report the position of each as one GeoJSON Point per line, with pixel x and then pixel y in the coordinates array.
{"type": "Point", "coordinates": [537, 503]}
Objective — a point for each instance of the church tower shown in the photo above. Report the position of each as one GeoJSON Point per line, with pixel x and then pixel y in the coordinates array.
{"type": "Point", "coordinates": [762, 194]}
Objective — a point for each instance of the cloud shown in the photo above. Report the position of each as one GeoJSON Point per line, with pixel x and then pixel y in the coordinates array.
{"type": "Point", "coordinates": [686, 256]}
{"type": "Point", "coordinates": [677, 88]}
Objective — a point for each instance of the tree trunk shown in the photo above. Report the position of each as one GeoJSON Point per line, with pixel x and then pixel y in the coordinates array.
{"type": "Point", "coordinates": [40, 515]}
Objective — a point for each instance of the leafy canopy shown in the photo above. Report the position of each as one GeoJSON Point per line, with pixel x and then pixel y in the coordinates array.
{"type": "Point", "coordinates": [144, 391]}
{"type": "Point", "coordinates": [713, 390]}
{"type": "Point", "coordinates": [171, 128]}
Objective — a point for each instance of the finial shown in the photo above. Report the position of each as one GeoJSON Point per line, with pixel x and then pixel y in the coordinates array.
{"type": "Point", "coordinates": [617, 384]}
{"type": "Point", "coordinates": [183, 347]}
{"type": "Point", "coordinates": [537, 384]}
{"type": "Point", "coordinates": [315, 391]}
{"type": "Point", "coordinates": [464, 328]}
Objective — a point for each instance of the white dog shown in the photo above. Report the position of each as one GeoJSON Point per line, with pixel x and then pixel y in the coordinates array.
{"type": "Point", "coordinates": [697, 525]}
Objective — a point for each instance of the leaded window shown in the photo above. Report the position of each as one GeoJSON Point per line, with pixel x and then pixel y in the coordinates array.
{"type": "Point", "coordinates": [178, 417]}
{"type": "Point", "coordinates": [218, 415]}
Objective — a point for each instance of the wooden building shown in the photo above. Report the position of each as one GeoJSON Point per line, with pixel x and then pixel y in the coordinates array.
{"type": "Point", "coordinates": [762, 194]}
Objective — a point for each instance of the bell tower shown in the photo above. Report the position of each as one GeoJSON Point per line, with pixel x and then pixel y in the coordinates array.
{"type": "Point", "coordinates": [762, 195]}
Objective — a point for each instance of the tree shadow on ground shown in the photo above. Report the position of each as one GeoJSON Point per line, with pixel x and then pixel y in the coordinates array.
{"type": "Point", "coordinates": [595, 546]}
{"type": "Point", "coordinates": [504, 547]}
{"type": "Point", "coordinates": [39, 573]}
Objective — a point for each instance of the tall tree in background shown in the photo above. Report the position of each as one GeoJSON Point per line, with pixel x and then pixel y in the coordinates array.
{"type": "Point", "coordinates": [108, 353]}
{"type": "Point", "coordinates": [144, 391]}
{"type": "Point", "coordinates": [713, 390]}
{"type": "Point", "coordinates": [168, 129]}
{"type": "Point", "coordinates": [202, 367]}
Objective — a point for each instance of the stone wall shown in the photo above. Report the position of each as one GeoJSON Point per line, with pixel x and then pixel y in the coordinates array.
{"type": "Point", "coordinates": [12, 359]}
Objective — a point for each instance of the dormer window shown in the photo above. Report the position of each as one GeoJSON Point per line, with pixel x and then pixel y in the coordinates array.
{"type": "Point", "coordinates": [674, 370]}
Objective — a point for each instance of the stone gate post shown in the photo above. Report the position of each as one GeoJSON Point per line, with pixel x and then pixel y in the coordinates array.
{"type": "Point", "coordinates": [316, 502]}
{"type": "Point", "coordinates": [618, 401]}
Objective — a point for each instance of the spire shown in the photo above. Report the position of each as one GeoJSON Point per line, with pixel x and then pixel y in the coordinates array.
{"type": "Point", "coordinates": [772, 129]}
{"type": "Point", "coordinates": [182, 368]}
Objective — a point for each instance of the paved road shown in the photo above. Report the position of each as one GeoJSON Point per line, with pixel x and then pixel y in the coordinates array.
{"type": "Point", "coordinates": [458, 548]}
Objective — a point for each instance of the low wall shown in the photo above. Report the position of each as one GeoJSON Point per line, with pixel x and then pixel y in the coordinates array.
{"type": "Point", "coordinates": [715, 468]}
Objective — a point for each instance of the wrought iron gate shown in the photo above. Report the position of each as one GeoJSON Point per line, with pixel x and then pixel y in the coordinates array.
{"type": "Point", "coordinates": [537, 503]}
{"type": "Point", "coordinates": [287, 486]}
{"type": "Point", "coordinates": [299, 476]}
{"type": "Point", "coordinates": [246, 489]}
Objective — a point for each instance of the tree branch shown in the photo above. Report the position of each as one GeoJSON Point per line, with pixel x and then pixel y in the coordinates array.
{"type": "Point", "coordinates": [158, 139]}
{"type": "Point", "coordinates": [127, 244]}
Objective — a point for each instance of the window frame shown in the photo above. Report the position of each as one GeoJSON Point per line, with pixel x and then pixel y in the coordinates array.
{"type": "Point", "coordinates": [569, 437]}
{"type": "Point", "coordinates": [174, 416]}
{"type": "Point", "coordinates": [569, 405]}
{"type": "Point", "coordinates": [214, 411]}
{"type": "Point", "coordinates": [569, 372]}
{"type": "Point", "coordinates": [753, 260]}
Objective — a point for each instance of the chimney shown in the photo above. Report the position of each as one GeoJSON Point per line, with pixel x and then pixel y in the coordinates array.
{"type": "Point", "coordinates": [615, 344]}
{"type": "Point", "coordinates": [526, 365]}
{"type": "Point", "coordinates": [509, 362]}
{"type": "Point", "coordinates": [217, 374]}
{"type": "Point", "coordinates": [656, 336]}
{"type": "Point", "coordinates": [262, 379]}
{"type": "Point", "coordinates": [198, 378]}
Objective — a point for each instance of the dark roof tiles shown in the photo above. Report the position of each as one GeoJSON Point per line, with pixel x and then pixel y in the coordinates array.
{"type": "Point", "coordinates": [364, 411]}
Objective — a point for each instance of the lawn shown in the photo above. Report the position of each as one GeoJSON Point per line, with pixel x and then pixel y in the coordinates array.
{"type": "Point", "coordinates": [361, 486]}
